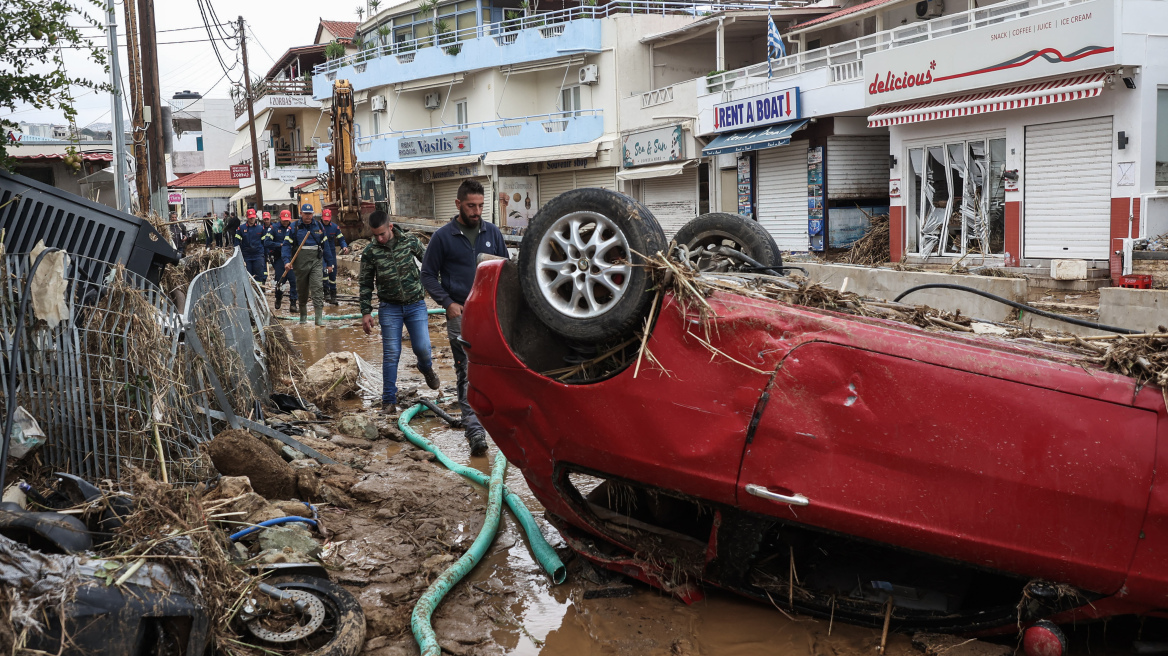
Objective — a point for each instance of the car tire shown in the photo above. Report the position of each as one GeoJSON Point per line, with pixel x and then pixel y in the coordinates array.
{"type": "Point", "coordinates": [579, 264]}
{"type": "Point", "coordinates": [738, 232]}
{"type": "Point", "coordinates": [347, 617]}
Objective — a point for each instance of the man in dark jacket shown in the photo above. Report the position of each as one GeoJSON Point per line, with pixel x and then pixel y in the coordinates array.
{"type": "Point", "coordinates": [387, 265]}
{"type": "Point", "coordinates": [340, 247]}
{"type": "Point", "coordinates": [308, 239]}
{"type": "Point", "coordinates": [250, 239]}
{"type": "Point", "coordinates": [448, 273]}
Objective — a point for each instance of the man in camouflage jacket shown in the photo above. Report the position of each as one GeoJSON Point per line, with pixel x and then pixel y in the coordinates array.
{"type": "Point", "coordinates": [387, 265]}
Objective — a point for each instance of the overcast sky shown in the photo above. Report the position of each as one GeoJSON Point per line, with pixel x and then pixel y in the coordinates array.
{"type": "Point", "coordinates": [273, 27]}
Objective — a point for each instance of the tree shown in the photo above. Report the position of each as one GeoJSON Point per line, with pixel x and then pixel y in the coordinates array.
{"type": "Point", "coordinates": [32, 70]}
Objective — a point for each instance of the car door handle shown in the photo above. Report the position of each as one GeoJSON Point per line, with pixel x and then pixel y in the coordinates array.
{"type": "Point", "coordinates": [760, 491]}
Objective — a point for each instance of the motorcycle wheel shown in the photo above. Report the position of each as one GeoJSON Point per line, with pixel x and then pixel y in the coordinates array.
{"type": "Point", "coordinates": [341, 634]}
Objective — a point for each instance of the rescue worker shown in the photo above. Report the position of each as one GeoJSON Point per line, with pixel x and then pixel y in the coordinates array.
{"type": "Point", "coordinates": [337, 239]}
{"type": "Point", "coordinates": [249, 237]}
{"type": "Point", "coordinates": [276, 254]}
{"type": "Point", "coordinates": [315, 251]}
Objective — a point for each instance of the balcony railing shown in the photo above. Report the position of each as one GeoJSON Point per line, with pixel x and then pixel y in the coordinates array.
{"type": "Point", "coordinates": [657, 97]}
{"type": "Point", "coordinates": [276, 88]}
{"type": "Point", "coordinates": [505, 127]}
{"type": "Point", "coordinates": [297, 158]}
{"type": "Point", "coordinates": [550, 25]}
{"type": "Point", "coordinates": [846, 59]}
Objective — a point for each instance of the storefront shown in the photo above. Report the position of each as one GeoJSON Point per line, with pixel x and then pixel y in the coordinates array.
{"type": "Point", "coordinates": [538, 175]}
{"type": "Point", "coordinates": [1036, 167]}
{"type": "Point", "coordinates": [658, 169]}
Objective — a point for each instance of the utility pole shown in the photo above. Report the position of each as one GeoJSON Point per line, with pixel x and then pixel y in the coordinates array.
{"type": "Point", "coordinates": [134, 68]}
{"type": "Point", "coordinates": [152, 99]}
{"type": "Point", "coordinates": [121, 191]}
{"type": "Point", "coordinates": [255, 149]}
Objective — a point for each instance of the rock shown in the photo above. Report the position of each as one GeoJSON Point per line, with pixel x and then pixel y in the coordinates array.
{"type": "Point", "coordinates": [293, 508]}
{"type": "Point", "coordinates": [420, 455]}
{"type": "Point", "coordinates": [302, 415]}
{"type": "Point", "coordinates": [239, 453]}
{"type": "Point", "coordinates": [307, 463]}
{"type": "Point", "coordinates": [289, 454]}
{"type": "Point", "coordinates": [289, 536]}
{"type": "Point", "coordinates": [351, 442]}
{"type": "Point", "coordinates": [322, 432]}
{"type": "Point", "coordinates": [357, 426]}
{"type": "Point", "coordinates": [433, 562]}
{"type": "Point", "coordinates": [327, 371]}
{"type": "Point", "coordinates": [389, 432]}
{"type": "Point", "coordinates": [307, 485]}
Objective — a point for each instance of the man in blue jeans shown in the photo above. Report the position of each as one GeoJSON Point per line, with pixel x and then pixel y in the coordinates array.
{"type": "Point", "coordinates": [448, 272]}
{"type": "Point", "coordinates": [387, 264]}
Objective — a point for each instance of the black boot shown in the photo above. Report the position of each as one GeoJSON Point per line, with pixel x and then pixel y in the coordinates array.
{"type": "Point", "coordinates": [279, 298]}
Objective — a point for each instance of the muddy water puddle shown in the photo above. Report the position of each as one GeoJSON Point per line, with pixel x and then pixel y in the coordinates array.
{"type": "Point", "coordinates": [545, 620]}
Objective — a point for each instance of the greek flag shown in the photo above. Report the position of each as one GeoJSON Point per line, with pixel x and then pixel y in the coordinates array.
{"type": "Point", "coordinates": [775, 49]}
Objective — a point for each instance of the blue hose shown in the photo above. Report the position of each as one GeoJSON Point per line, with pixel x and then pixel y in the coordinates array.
{"type": "Point", "coordinates": [271, 522]}
{"type": "Point", "coordinates": [424, 609]}
{"type": "Point", "coordinates": [544, 553]}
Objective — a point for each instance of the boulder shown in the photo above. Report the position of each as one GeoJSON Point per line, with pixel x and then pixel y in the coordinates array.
{"type": "Point", "coordinates": [327, 371]}
{"type": "Point", "coordinates": [358, 426]}
{"type": "Point", "coordinates": [239, 453]}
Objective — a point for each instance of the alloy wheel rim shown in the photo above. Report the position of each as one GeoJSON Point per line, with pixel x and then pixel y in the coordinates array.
{"type": "Point", "coordinates": [582, 264]}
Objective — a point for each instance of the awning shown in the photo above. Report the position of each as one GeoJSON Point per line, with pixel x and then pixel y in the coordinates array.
{"type": "Point", "coordinates": [756, 139]}
{"type": "Point", "coordinates": [548, 154]}
{"type": "Point", "coordinates": [432, 162]}
{"type": "Point", "coordinates": [274, 192]}
{"type": "Point", "coordinates": [655, 171]}
{"type": "Point", "coordinates": [243, 136]}
{"type": "Point", "coordinates": [1030, 95]}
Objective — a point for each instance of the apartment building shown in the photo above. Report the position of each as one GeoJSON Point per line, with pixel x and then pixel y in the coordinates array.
{"type": "Point", "coordinates": [531, 104]}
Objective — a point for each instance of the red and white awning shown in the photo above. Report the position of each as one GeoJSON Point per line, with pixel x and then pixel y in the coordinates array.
{"type": "Point", "coordinates": [1030, 95]}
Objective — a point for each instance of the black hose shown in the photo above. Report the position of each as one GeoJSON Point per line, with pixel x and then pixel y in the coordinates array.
{"type": "Point", "coordinates": [17, 334]}
{"type": "Point", "coordinates": [1020, 306]}
{"type": "Point", "coordinates": [454, 423]}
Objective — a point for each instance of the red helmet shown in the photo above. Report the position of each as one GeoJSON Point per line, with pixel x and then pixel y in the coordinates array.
{"type": "Point", "coordinates": [327, 215]}
{"type": "Point", "coordinates": [267, 215]}
{"type": "Point", "coordinates": [251, 214]}
{"type": "Point", "coordinates": [285, 214]}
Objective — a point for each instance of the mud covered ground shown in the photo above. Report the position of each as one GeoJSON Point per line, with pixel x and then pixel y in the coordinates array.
{"type": "Point", "coordinates": [398, 519]}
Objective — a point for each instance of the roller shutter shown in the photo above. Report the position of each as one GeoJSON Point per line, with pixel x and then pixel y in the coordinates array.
{"type": "Point", "coordinates": [857, 166]}
{"type": "Point", "coordinates": [673, 199]}
{"type": "Point", "coordinates": [782, 194]}
{"type": "Point", "coordinates": [554, 184]}
{"type": "Point", "coordinates": [603, 178]}
{"type": "Point", "coordinates": [446, 192]}
{"type": "Point", "coordinates": [1067, 183]}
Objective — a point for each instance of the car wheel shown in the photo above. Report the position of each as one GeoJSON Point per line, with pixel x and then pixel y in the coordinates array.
{"type": "Point", "coordinates": [705, 236]}
{"type": "Point", "coordinates": [578, 264]}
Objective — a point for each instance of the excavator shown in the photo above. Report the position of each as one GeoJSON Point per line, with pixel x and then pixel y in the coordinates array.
{"type": "Point", "coordinates": [353, 190]}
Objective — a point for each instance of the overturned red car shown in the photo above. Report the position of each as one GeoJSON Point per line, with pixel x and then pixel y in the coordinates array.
{"type": "Point", "coordinates": [806, 457]}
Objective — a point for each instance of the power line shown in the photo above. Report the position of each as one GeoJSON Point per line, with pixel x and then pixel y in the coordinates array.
{"type": "Point", "coordinates": [261, 45]}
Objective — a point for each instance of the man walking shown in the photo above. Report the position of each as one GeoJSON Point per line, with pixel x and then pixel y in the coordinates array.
{"type": "Point", "coordinates": [276, 244]}
{"type": "Point", "coordinates": [218, 228]}
{"type": "Point", "coordinates": [448, 272]}
{"type": "Point", "coordinates": [338, 240]}
{"type": "Point", "coordinates": [250, 239]}
{"type": "Point", "coordinates": [387, 264]}
{"type": "Point", "coordinates": [232, 225]}
{"type": "Point", "coordinates": [307, 238]}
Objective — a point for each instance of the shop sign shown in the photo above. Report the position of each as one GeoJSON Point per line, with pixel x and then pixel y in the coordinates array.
{"type": "Point", "coordinates": [653, 146]}
{"type": "Point", "coordinates": [566, 165]}
{"type": "Point", "coordinates": [240, 171]}
{"type": "Point", "coordinates": [518, 200]}
{"type": "Point", "coordinates": [434, 145]}
{"type": "Point", "coordinates": [174, 198]}
{"type": "Point", "coordinates": [451, 172]}
{"type": "Point", "coordinates": [764, 109]}
{"type": "Point", "coordinates": [1068, 40]}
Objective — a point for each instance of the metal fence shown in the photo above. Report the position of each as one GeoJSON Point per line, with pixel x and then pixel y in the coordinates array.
{"type": "Point", "coordinates": [126, 379]}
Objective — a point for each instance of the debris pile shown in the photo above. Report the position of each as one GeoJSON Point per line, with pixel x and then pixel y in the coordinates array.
{"type": "Point", "coordinates": [1157, 243]}
{"type": "Point", "coordinates": [873, 248]}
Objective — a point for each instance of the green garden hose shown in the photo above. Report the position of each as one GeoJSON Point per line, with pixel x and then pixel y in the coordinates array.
{"type": "Point", "coordinates": [544, 553]}
{"type": "Point", "coordinates": [424, 609]}
{"type": "Point", "coordinates": [343, 317]}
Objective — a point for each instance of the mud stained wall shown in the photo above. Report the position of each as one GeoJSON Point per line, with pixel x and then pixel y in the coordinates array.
{"type": "Point", "coordinates": [411, 197]}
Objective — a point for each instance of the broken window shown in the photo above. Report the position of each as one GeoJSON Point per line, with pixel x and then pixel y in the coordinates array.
{"type": "Point", "coordinates": [912, 198]}
{"type": "Point", "coordinates": [959, 198]}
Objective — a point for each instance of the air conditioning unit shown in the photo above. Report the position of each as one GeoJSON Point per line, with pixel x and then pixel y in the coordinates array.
{"type": "Point", "coordinates": [927, 9]}
{"type": "Point", "coordinates": [378, 103]}
{"type": "Point", "coordinates": [433, 100]}
{"type": "Point", "coordinates": [588, 74]}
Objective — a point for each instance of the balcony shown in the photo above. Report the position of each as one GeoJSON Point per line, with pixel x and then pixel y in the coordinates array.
{"type": "Point", "coordinates": [652, 108]}
{"type": "Point", "coordinates": [288, 159]}
{"type": "Point", "coordinates": [540, 131]}
{"type": "Point", "coordinates": [830, 78]}
{"type": "Point", "coordinates": [516, 40]}
{"type": "Point", "coordinates": [275, 88]}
